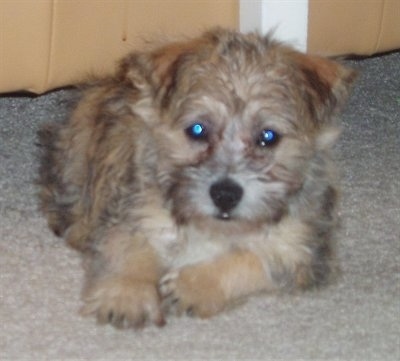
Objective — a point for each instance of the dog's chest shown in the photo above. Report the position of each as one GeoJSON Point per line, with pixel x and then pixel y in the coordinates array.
{"type": "Point", "coordinates": [198, 245]}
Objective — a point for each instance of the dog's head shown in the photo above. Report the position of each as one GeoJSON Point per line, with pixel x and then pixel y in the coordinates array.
{"type": "Point", "coordinates": [239, 119]}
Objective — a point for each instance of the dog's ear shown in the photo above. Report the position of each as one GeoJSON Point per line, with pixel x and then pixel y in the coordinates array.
{"type": "Point", "coordinates": [156, 71]}
{"type": "Point", "coordinates": [325, 84]}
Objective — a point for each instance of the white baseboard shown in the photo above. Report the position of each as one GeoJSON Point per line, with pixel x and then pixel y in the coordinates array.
{"type": "Point", "coordinates": [288, 19]}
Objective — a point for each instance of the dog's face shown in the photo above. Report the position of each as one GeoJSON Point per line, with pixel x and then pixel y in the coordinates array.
{"type": "Point", "coordinates": [241, 119]}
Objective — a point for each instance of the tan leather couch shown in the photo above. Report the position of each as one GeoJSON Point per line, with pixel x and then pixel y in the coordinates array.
{"type": "Point", "coordinates": [45, 44]}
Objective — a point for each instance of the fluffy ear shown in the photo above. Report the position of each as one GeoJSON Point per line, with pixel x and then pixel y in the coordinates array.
{"type": "Point", "coordinates": [326, 84]}
{"type": "Point", "coordinates": [157, 70]}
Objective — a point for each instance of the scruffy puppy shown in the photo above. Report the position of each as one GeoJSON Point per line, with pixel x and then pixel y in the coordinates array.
{"type": "Point", "coordinates": [198, 175]}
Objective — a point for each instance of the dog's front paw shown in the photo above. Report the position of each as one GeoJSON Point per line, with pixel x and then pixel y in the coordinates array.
{"type": "Point", "coordinates": [124, 303]}
{"type": "Point", "coordinates": [193, 290]}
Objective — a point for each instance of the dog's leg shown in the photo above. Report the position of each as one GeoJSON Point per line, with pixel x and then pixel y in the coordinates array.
{"type": "Point", "coordinates": [205, 289]}
{"type": "Point", "coordinates": [122, 282]}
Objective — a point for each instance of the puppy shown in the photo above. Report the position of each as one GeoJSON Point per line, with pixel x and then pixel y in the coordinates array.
{"type": "Point", "coordinates": [197, 175]}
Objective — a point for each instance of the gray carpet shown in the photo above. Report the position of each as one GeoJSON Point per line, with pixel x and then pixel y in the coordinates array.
{"type": "Point", "coordinates": [356, 319]}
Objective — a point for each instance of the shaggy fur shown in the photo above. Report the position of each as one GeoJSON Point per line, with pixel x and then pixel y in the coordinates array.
{"type": "Point", "coordinates": [198, 175]}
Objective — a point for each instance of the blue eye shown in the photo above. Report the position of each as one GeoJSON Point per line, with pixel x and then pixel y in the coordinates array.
{"type": "Point", "coordinates": [268, 137]}
{"type": "Point", "coordinates": [197, 131]}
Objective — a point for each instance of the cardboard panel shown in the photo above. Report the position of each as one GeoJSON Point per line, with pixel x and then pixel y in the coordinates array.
{"type": "Point", "coordinates": [25, 36]}
{"type": "Point", "coordinates": [51, 43]}
{"type": "Point", "coordinates": [353, 26]}
{"type": "Point", "coordinates": [89, 36]}
{"type": "Point", "coordinates": [389, 36]}
{"type": "Point", "coordinates": [340, 27]}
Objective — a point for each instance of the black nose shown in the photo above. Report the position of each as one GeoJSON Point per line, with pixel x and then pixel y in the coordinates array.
{"type": "Point", "coordinates": [226, 194]}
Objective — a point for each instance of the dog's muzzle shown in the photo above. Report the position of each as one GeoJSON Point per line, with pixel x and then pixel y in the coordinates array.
{"type": "Point", "coordinates": [226, 195]}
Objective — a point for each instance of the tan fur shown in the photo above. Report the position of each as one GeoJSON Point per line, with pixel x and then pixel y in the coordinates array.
{"type": "Point", "coordinates": [172, 221]}
{"type": "Point", "coordinates": [205, 289]}
{"type": "Point", "coordinates": [125, 284]}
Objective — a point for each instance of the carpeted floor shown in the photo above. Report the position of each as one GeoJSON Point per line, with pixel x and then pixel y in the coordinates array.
{"type": "Point", "coordinates": [357, 319]}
